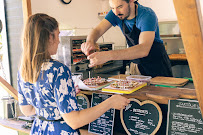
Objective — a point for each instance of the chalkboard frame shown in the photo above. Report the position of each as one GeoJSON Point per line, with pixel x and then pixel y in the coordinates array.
{"type": "Point", "coordinates": [143, 103]}
{"type": "Point", "coordinates": [86, 98]}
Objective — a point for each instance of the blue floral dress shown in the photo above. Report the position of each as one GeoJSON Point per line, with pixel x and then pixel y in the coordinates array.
{"type": "Point", "coordinates": [52, 95]}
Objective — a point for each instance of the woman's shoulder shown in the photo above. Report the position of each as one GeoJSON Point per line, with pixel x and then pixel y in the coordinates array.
{"type": "Point", "coordinates": [57, 63]}
{"type": "Point", "coordinates": [53, 64]}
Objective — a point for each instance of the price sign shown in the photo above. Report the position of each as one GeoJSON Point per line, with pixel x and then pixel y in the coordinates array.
{"type": "Point", "coordinates": [141, 118]}
{"type": "Point", "coordinates": [82, 101]}
{"type": "Point", "coordinates": [184, 118]}
{"type": "Point", "coordinates": [104, 124]}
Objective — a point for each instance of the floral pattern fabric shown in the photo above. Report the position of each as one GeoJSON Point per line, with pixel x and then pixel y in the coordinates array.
{"type": "Point", "coordinates": [52, 95]}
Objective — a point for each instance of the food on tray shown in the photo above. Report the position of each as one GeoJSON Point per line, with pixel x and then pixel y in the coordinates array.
{"type": "Point", "coordinates": [94, 81]}
{"type": "Point", "coordinates": [124, 84]}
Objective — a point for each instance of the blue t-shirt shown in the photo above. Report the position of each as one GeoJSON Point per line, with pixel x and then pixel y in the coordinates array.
{"type": "Point", "coordinates": [146, 20]}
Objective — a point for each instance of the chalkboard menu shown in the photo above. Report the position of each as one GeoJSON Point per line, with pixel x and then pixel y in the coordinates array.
{"type": "Point", "coordinates": [82, 101]}
{"type": "Point", "coordinates": [141, 118]}
{"type": "Point", "coordinates": [184, 118]}
{"type": "Point", "coordinates": [104, 124]}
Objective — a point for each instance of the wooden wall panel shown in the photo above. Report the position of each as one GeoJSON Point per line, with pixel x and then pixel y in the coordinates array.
{"type": "Point", "coordinates": [27, 10]}
{"type": "Point", "coordinates": [190, 27]}
{"type": "Point", "coordinates": [14, 25]}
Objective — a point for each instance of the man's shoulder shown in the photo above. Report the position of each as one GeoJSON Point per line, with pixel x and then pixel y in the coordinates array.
{"type": "Point", "coordinates": [112, 18]}
{"type": "Point", "coordinates": [142, 10]}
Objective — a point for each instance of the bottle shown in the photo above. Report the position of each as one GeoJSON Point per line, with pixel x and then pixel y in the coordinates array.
{"type": "Point", "coordinates": [127, 72]}
{"type": "Point", "coordinates": [165, 45]}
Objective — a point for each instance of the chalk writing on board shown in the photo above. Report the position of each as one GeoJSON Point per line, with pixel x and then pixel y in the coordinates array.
{"type": "Point", "coordinates": [143, 118]}
{"type": "Point", "coordinates": [82, 101]}
{"type": "Point", "coordinates": [184, 117]}
{"type": "Point", "coordinates": [104, 124]}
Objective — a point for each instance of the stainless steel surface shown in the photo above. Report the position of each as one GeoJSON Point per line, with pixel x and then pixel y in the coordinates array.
{"type": "Point", "coordinates": [169, 28]}
{"type": "Point", "coordinates": [69, 51]}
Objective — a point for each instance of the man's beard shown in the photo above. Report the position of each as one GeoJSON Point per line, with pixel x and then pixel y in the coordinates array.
{"type": "Point", "coordinates": [121, 15]}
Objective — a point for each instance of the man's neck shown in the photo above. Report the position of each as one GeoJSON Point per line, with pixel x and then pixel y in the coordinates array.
{"type": "Point", "coordinates": [132, 12]}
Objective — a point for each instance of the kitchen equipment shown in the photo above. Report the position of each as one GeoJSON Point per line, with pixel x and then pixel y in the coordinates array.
{"type": "Point", "coordinates": [70, 53]}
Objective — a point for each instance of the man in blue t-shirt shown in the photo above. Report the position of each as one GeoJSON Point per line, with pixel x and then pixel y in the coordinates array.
{"type": "Point", "coordinates": [139, 25]}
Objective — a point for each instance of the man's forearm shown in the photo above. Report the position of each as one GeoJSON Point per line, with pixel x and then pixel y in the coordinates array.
{"type": "Point", "coordinates": [130, 53]}
{"type": "Point", "coordinates": [93, 36]}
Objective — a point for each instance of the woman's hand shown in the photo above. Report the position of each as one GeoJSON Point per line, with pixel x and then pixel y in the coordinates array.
{"type": "Point", "coordinates": [119, 102]}
{"type": "Point", "coordinates": [77, 89]}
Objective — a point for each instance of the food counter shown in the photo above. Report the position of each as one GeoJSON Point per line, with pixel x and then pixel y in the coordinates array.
{"type": "Point", "coordinates": [159, 95]}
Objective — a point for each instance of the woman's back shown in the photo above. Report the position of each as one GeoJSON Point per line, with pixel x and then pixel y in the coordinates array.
{"type": "Point", "coordinates": [52, 95]}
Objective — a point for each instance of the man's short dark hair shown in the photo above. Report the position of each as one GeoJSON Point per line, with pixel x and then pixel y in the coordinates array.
{"type": "Point", "coordinates": [129, 0]}
{"type": "Point", "coordinates": [126, 1]}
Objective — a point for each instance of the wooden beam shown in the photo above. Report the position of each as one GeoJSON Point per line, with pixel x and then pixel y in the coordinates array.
{"type": "Point", "coordinates": [200, 11]}
{"type": "Point", "coordinates": [6, 86]}
{"type": "Point", "coordinates": [190, 27]}
{"type": "Point", "coordinates": [27, 10]}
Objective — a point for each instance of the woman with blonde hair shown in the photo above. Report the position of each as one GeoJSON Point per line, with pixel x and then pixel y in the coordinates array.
{"type": "Point", "coordinates": [45, 86]}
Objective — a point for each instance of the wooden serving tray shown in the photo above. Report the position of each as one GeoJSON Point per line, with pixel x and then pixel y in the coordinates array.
{"type": "Point", "coordinates": [169, 81]}
{"type": "Point", "coordinates": [98, 87]}
{"type": "Point", "coordinates": [122, 91]}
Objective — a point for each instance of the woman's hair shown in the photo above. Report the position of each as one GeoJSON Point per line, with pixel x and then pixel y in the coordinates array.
{"type": "Point", "coordinates": [35, 41]}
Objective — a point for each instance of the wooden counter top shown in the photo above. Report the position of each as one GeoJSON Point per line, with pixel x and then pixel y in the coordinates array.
{"type": "Point", "coordinates": [178, 57]}
{"type": "Point", "coordinates": [17, 125]}
{"type": "Point", "coordinates": [158, 94]}
{"type": "Point", "coordinates": [14, 124]}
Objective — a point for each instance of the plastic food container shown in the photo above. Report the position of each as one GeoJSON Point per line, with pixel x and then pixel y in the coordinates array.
{"type": "Point", "coordinates": [139, 78]}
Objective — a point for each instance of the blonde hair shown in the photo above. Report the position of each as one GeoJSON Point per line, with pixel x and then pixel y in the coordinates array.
{"type": "Point", "coordinates": [35, 41]}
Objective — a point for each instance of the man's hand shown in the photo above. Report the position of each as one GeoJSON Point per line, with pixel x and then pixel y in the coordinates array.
{"type": "Point", "coordinates": [88, 47]}
{"type": "Point", "coordinates": [98, 58]}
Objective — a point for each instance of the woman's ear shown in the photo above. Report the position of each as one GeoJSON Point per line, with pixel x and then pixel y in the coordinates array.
{"type": "Point", "coordinates": [51, 39]}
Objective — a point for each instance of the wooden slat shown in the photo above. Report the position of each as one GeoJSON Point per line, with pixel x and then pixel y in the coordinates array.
{"type": "Point", "coordinates": [177, 57]}
{"type": "Point", "coordinates": [6, 86]}
{"type": "Point", "coordinates": [27, 10]}
{"type": "Point", "coordinates": [190, 27]}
